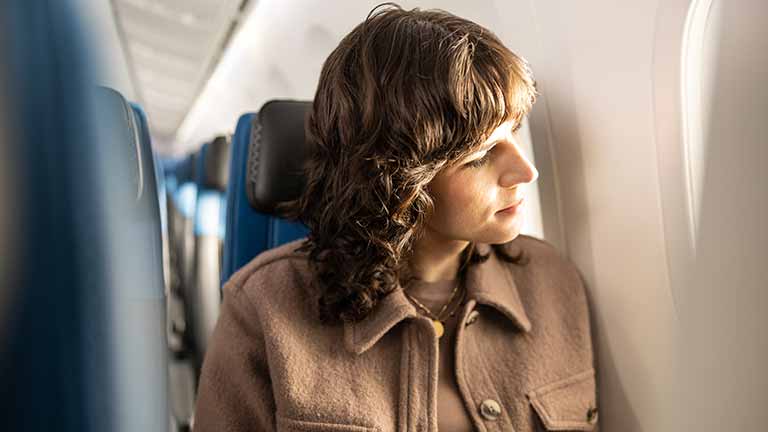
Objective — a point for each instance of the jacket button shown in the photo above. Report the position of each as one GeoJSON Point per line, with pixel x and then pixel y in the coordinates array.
{"type": "Point", "coordinates": [592, 415]}
{"type": "Point", "coordinates": [490, 409]}
{"type": "Point", "coordinates": [472, 317]}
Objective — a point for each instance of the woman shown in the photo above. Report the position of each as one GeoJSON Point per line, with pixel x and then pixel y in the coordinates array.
{"type": "Point", "coordinates": [415, 304]}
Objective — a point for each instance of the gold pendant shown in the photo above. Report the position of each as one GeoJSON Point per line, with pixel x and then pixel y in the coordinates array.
{"type": "Point", "coordinates": [439, 329]}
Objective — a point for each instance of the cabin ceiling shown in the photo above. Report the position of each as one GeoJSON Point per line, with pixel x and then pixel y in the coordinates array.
{"type": "Point", "coordinates": [172, 46]}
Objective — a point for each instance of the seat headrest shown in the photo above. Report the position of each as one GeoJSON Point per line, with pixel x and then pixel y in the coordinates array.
{"type": "Point", "coordinates": [122, 125]}
{"type": "Point", "coordinates": [276, 154]}
{"type": "Point", "coordinates": [216, 164]}
{"type": "Point", "coordinates": [181, 169]}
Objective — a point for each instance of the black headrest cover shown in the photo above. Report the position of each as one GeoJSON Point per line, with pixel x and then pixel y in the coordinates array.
{"type": "Point", "coordinates": [217, 164]}
{"type": "Point", "coordinates": [276, 154]}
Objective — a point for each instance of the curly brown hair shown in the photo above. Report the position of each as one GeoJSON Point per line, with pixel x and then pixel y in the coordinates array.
{"type": "Point", "coordinates": [404, 95]}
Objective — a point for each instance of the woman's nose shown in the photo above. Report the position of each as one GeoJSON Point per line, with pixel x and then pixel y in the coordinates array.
{"type": "Point", "coordinates": [518, 169]}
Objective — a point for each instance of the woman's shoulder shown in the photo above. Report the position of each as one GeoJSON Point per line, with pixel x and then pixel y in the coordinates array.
{"type": "Point", "coordinates": [535, 248]}
{"type": "Point", "coordinates": [283, 270]}
{"type": "Point", "coordinates": [551, 271]}
{"type": "Point", "coordinates": [540, 253]}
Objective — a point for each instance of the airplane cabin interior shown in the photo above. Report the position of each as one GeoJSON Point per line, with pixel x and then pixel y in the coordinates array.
{"type": "Point", "coordinates": [146, 145]}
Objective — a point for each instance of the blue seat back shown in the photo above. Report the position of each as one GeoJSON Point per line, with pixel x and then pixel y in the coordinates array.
{"type": "Point", "coordinates": [249, 232]}
{"type": "Point", "coordinates": [82, 321]}
{"type": "Point", "coordinates": [146, 147]}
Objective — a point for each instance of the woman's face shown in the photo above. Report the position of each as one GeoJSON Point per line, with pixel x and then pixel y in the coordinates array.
{"type": "Point", "coordinates": [470, 195]}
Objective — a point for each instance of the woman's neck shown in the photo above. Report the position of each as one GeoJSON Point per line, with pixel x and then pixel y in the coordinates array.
{"type": "Point", "coordinates": [435, 257]}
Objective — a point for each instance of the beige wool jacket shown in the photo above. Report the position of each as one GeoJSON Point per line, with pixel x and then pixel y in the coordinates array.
{"type": "Point", "coordinates": [524, 355]}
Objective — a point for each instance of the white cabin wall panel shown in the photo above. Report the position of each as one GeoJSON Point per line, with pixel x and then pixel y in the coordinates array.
{"type": "Point", "coordinates": [594, 66]}
{"type": "Point", "coordinates": [724, 308]}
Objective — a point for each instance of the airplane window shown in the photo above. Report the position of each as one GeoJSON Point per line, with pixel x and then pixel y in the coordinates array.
{"type": "Point", "coordinates": [700, 37]}
{"type": "Point", "coordinates": [724, 63]}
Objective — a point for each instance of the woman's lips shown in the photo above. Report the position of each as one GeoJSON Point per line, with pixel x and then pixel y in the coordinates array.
{"type": "Point", "coordinates": [513, 207]}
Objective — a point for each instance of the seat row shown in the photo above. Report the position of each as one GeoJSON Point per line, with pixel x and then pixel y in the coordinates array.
{"type": "Point", "coordinates": [220, 203]}
{"type": "Point", "coordinates": [90, 235]}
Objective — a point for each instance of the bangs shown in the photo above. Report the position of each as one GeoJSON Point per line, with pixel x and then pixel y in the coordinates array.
{"type": "Point", "coordinates": [491, 85]}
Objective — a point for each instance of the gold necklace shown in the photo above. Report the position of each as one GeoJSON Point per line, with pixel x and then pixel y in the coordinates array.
{"type": "Point", "coordinates": [437, 322]}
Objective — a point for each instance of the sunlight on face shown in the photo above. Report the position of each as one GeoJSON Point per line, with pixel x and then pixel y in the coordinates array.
{"type": "Point", "coordinates": [470, 194]}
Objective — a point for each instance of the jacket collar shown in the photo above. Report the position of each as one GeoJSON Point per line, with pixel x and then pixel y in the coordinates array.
{"type": "Point", "coordinates": [488, 283]}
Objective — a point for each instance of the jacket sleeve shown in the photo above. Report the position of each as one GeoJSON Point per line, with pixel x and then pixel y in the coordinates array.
{"type": "Point", "coordinates": [235, 389]}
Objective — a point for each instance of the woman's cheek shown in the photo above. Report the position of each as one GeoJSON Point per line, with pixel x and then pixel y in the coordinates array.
{"type": "Point", "coordinates": [462, 202]}
{"type": "Point", "coordinates": [472, 202]}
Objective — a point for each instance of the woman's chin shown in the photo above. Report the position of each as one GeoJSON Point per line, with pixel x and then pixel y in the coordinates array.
{"type": "Point", "coordinates": [511, 236]}
{"type": "Point", "coordinates": [509, 229]}
{"type": "Point", "coordinates": [503, 235]}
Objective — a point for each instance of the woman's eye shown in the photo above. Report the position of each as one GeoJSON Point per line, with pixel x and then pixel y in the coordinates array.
{"type": "Point", "coordinates": [480, 161]}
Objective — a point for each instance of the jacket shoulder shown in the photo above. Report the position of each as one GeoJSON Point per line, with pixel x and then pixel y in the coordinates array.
{"type": "Point", "coordinates": [547, 263]}
{"type": "Point", "coordinates": [540, 252]}
{"type": "Point", "coordinates": [536, 248]}
{"type": "Point", "coordinates": [272, 261]}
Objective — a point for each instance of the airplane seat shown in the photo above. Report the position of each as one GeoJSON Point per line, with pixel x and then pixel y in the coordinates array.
{"type": "Point", "coordinates": [174, 229]}
{"type": "Point", "coordinates": [182, 372]}
{"type": "Point", "coordinates": [82, 343]}
{"type": "Point", "coordinates": [182, 229]}
{"type": "Point", "coordinates": [146, 148]}
{"type": "Point", "coordinates": [180, 369]}
{"type": "Point", "coordinates": [202, 304]}
{"type": "Point", "coordinates": [181, 176]}
{"type": "Point", "coordinates": [266, 168]}
{"type": "Point", "coordinates": [138, 332]}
